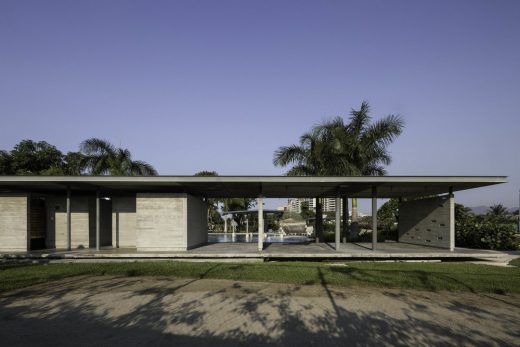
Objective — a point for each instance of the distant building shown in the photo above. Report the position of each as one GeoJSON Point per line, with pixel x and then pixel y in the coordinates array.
{"type": "Point", "coordinates": [295, 205]}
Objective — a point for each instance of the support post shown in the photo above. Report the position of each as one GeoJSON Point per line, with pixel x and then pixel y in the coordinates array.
{"type": "Point", "coordinates": [452, 220]}
{"type": "Point", "coordinates": [260, 204]}
{"type": "Point", "coordinates": [225, 225]}
{"type": "Point", "coordinates": [338, 222]}
{"type": "Point", "coordinates": [98, 219]}
{"type": "Point", "coordinates": [374, 217]}
{"type": "Point", "coordinates": [69, 222]}
{"type": "Point", "coordinates": [344, 207]}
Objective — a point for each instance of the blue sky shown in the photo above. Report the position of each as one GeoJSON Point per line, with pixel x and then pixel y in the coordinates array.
{"type": "Point", "coordinates": [219, 85]}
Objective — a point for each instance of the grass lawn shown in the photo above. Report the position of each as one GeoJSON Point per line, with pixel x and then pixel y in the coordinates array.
{"type": "Point", "coordinates": [421, 276]}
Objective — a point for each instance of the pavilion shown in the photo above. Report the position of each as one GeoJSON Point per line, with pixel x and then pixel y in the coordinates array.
{"type": "Point", "coordinates": [169, 213]}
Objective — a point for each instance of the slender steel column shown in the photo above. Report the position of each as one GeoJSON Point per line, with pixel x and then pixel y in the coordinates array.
{"type": "Point", "coordinates": [260, 204]}
{"type": "Point", "coordinates": [374, 217]}
{"type": "Point", "coordinates": [338, 222]}
{"type": "Point", "coordinates": [98, 220]}
{"type": "Point", "coordinates": [69, 222]}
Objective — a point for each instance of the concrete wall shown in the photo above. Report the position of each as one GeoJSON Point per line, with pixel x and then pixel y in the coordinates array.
{"type": "Point", "coordinates": [57, 221]}
{"type": "Point", "coordinates": [427, 222]}
{"type": "Point", "coordinates": [83, 222]}
{"type": "Point", "coordinates": [14, 216]}
{"type": "Point", "coordinates": [124, 221]}
{"type": "Point", "coordinates": [197, 222]}
{"type": "Point", "coordinates": [164, 221]}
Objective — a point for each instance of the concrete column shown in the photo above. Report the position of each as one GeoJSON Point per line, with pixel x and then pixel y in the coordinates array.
{"type": "Point", "coordinates": [225, 225]}
{"type": "Point", "coordinates": [338, 222]}
{"type": "Point", "coordinates": [344, 212]}
{"type": "Point", "coordinates": [374, 217]}
{"type": "Point", "coordinates": [260, 204]}
{"type": "Point", "coordinates": [247, 227]}
{"type": "Point", "coordinates": [452, 222]}
{"type": "Point", "coordinates": [98, 219]}
{"type": "Point", "coordinates": [69, 222]}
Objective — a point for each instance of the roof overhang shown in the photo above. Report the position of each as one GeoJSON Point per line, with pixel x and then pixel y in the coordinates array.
{"type": "Point", "coordinates": [252, 186]}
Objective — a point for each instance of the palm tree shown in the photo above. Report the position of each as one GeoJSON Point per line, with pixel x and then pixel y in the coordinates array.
{"type": "Point", "coordinates": [307, 159]}
{"type": "Point", "coordinates": [102, 158]}
{"type": "Point", "coordinates": [498, 213]}
{"type": "Point", "coordinates": [336, 148]}
{"type": "Point", "coordinates": [360, 145]}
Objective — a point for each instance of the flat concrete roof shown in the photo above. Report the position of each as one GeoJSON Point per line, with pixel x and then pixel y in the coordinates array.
{"type": "Point", "coordinates": [252, 186]}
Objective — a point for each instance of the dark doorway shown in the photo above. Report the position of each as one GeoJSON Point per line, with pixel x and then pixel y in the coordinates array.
{"type": "Point", "coordinates": [38, 224]}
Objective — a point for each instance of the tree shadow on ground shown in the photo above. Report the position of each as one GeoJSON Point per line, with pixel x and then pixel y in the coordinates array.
{"type": "Point", "coordinates": [94, 310]}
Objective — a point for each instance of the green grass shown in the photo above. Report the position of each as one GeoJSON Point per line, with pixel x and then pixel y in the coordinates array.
{"type": "Point", "coordinates": [421, 276]}
{"type": "Point", "coordinates": [515, 262]}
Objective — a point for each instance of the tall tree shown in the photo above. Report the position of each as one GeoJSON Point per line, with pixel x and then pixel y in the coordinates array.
{"type": "Point", "coordinates": [360, 146]}
{"type": "Point", "coordinates": [336, 148]}
{"type": "Point", "coordinates": [102, 158]}
{"type": "Point", "coordinates": [307, 159]}
{"type": "Point", "coordinates": [499, 213]}
{"type": "Point", "coordinates": [6, 163]}
{"type": "Point", "coordinates": [33, 158]}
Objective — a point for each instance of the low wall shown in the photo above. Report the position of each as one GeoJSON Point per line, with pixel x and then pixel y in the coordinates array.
{"type": "Point", "coordinates": [169, 222]}
{"type": "Point", "coordinates": [427, 222]}
{"type": "Point", "coordinates": [14, 217]}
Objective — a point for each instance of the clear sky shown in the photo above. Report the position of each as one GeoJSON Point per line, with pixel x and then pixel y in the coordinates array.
{"type": "Point", "coordinates": [219, 85]}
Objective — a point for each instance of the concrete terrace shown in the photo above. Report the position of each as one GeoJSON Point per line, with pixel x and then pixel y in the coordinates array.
{"type": "Point", "coordinates": [273, 251]}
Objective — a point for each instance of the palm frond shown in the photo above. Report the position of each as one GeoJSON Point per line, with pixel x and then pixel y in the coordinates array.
{"type": "Point", "coordinates": [286, 155]}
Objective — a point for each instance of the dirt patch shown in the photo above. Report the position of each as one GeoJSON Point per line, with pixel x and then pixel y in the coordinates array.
{"type": "Point", "coordinates": [163, 311]}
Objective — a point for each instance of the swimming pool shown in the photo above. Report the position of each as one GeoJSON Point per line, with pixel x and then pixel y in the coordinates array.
{"type": "Point", "coordinates": [242, 238]}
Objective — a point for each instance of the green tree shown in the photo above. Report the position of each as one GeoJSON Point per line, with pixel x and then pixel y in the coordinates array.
{"type": "Point", "coordinates": [498, 213]}
{"type": "Point", "coordinates": [102, 158]}
{"type": "Point", "coordinates": [466, 228]}
{"type": "Point", "coordinates": [336, 148]}
{"type": "Point", "coordinates": [74, 164]}
{"type": "Point", "coordinates": [306, 212]}
{"type": "Point", "coordinates": [34, 158]}
{"type": "Point", "coordinates": [359, 146]}
{"type": "Point", "coordinates": [307, 159]}
{"type": "Point", "coordinates": [387, 216]}
{"type": "Point", "coordinates": [6, 163]}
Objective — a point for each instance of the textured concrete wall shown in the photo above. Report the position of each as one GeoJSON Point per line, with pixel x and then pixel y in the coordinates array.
{"type": "Point", "coordinates": [124, 221]}
{"type": "Point", "coordinates": [83, 222]}
{"type": "Point", "coordinates": [161, 222]}
{"type": "Point", "coordinates": [14, 218]}
{"type": "Point", "coordinates": [81, 226]}
{"type": "Point", "coordinates": [197, 222]}
{"type": "Point", "coordinates": [169, 222]}
{"type": "Point", "coordinates": [426, 222]}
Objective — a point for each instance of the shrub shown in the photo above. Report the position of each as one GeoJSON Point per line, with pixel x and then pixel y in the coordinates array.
{"type": "Point", "coordinates": [498, 235]}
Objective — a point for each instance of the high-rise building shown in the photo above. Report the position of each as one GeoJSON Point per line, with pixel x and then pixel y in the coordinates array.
{"type": "Point", "coordinates": [295, 205]}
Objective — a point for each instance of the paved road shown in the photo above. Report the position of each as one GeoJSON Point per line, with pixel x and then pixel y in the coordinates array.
{"type": "Point", "coordinates": [162, 311]}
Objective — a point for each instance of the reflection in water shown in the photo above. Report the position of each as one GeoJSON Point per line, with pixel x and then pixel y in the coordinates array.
{"type": "Point", "coordinates": [270, 238]}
